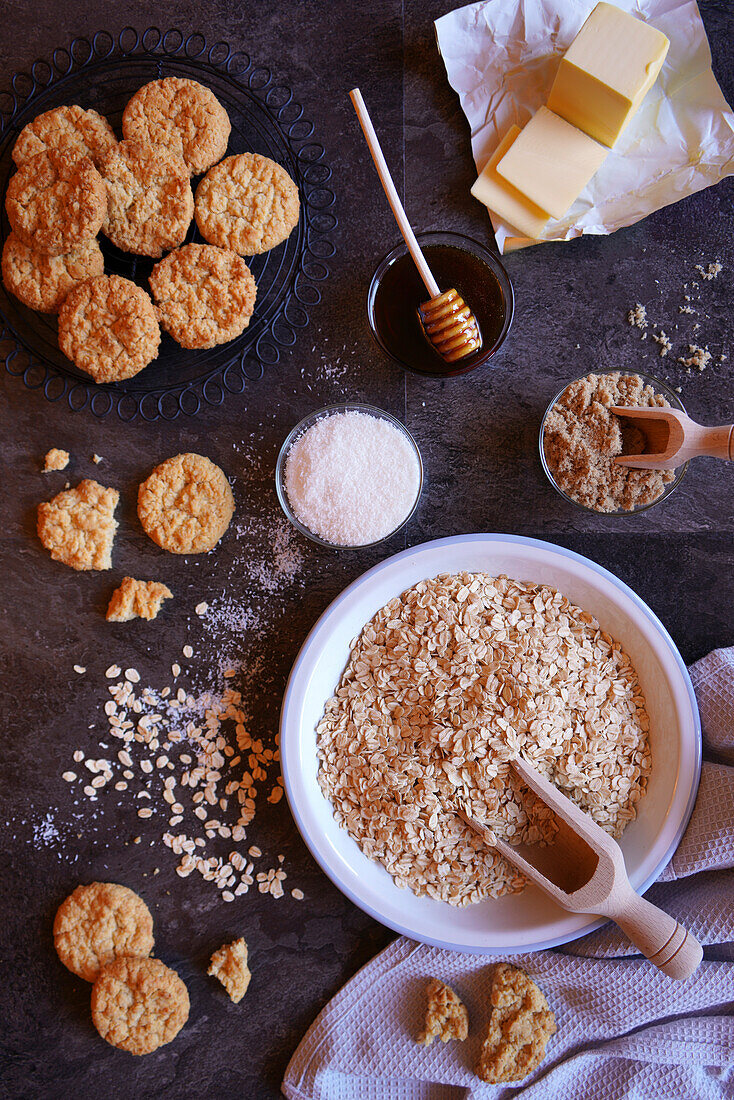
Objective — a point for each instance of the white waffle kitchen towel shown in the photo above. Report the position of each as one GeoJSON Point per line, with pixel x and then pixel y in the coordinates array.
{"type": "Point", "coordinates": [624, 1028]}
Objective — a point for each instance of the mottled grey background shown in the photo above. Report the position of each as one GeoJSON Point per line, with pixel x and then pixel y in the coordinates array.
{"type": "Point", "coordinates": [478, 439]}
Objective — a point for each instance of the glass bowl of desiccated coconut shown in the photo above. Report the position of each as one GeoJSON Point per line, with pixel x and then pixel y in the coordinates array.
{"type": "Point", "coordinates": [349, 476]}
{"type": "Point", "coordinates": [580, 438]}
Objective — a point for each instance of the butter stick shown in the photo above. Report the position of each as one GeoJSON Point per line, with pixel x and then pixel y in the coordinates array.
{"type": "Point", "coordinates": [550, 162]}
{"type": "Point", "coordinates": [606, 72]}
{"type": "Point", "coordinates": [503, 199]}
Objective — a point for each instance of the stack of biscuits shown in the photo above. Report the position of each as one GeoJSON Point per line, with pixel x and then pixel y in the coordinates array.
{"type": "Point", "coordinates": [74, 179]}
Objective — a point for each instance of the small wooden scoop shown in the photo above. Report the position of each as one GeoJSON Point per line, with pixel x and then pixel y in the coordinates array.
{"type": "Point", "coordinates": [583, 870]}
{"type": "Point", "coordinates": [671, 438]}
{"type": "Point", "coordinates": [447, 321]}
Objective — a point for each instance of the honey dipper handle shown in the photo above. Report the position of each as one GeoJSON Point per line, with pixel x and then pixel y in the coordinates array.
{"type": "Point", "coordinates": [392, 196]}
{"type": "Point", "coordinates": [667, 944]}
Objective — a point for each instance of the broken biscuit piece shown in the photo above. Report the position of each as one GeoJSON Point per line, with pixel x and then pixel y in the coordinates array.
{"type": "Point", "coordinates": [446, 1015]}
{"type": "Point", "coordinates": [229, 965]}
{"type": "Point", "coordinates": [519, 1027]}
{"type": "Point", "coordinates": [56, 459]}
{"type": "Point", "coordinates": [136, 600]}
{"type": "Point", "coordinates": [78, 526]}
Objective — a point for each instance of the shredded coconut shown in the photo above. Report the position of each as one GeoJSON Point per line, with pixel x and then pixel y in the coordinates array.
{"type": "Point", "coordinates": [352, 478]}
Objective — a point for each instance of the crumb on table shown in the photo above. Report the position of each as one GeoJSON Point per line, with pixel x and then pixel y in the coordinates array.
{"type": "Point", "coordinates": [136, 600]}
{"type": "Point", "coordinates": [56, 459]}
{"type": "Point", "coordinates": [229, 965]}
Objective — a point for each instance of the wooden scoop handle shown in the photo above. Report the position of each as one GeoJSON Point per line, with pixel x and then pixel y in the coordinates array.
{"type": "Point", "coordinates": [665, 942]}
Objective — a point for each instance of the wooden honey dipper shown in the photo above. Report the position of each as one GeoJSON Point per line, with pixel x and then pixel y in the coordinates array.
{"type": "Point", "coordinates": [447, 321]}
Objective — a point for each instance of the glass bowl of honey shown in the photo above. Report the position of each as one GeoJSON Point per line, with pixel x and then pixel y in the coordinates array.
{"type": "Point", "coordinates": [397, 290]}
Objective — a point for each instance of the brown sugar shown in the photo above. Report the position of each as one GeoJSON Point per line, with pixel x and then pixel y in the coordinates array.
{"type": "Point", "coordinates": [582, 437]}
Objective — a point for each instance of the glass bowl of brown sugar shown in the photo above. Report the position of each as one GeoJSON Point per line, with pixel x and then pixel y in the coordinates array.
{"type": "Point", "coordinates": [580, 437]}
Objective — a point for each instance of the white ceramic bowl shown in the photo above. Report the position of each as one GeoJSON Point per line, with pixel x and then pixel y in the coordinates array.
{"type": "Point", "coordinates": [527, 921]}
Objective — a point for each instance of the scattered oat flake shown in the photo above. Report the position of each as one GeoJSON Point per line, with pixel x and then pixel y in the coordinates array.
{"type": "Point", "coordinates": [202, 608]}
{"type": "Point", "coordinates": [96, 459]}
{"type": "Point", "coordinates": [113, 671]}
{"type": "Point", "coordinates": [132, 675]}
{"type": "Point", "coordinates": [68, 776]}
{"type": "Point", "coordinates": [297, 894]}
{"type": "Point", "coordinates": [80, 669]}
{"type": "Point", "coordinates": [175, 670]}
{"type": "Point", "coordinates": [188, 651]}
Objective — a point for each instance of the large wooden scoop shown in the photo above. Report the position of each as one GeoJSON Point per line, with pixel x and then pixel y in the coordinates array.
{"type": "Point", "coordinates": [583, 870]}
{"type": "Point", "coordinates": [672, 438]}
{"type": "Point", "coordinates": [447, 321]}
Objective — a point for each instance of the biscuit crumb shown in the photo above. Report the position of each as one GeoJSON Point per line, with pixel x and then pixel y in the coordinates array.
{"type": "Point", "coordinates": [136, 600]}
{"type": "Point", "coordinates": [229, 965]}
{"type": "Point", "coordinates": [710, 271]}
{"type": "Point", "coordinates": [697, 357]}
{"type": "Point", "coordinates": [663, 341]}
{"type": "Point", "coordinates": [56, 459]}
{"type": "Point", "coordinates": [446, 1015]}
{"type": "Point", "coordinates": [637, 316]}
{"type": "Point", "coordinates": [520, 1025]}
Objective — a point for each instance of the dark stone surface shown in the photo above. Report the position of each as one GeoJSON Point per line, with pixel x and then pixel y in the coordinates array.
{"type": "Point", "coordinates": [478, 439]}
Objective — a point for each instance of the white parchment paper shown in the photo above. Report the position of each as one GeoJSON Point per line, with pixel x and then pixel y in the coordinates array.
{"type": "Point", "coordinates": [501, 58]}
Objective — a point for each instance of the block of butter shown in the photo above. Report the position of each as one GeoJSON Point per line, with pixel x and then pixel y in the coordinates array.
{"type": "Point", "coordinates": [607, 71]}
{"type": "Point", "coordinates": [505, 200]}
{"type": "Point", "coordinates": [550, 162]}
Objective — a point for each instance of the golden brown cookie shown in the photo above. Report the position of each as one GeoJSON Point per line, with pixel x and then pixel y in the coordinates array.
{"type": "Point", "coordinates": [109, 328]}
{"type": "Point", "coordinates": [182, 115]}
{"type": "Point", "coordinates": [42, 282]}
{"type": "Point", "coordinates": [136, 600]}
{"type": "Point", "coordinates": [229, 965]}
{"type": "Point", "coordinates": [446, 1015]}
{"type": "Point", "coordinates": [247, 203]}
{"type": "Point", "coordinates": [55, 459]}
{"type": "Point", "coordinates": [78, 526]}
{"type": "Point", "coordinates": [186, 504]}
{"type": "Point", "coordinates": [520, 1025]}
{"type": "Point", "coordinates": [149, 199]}
{"type": "Point", "coordinates": [139, 1004]}
{"type": "Point", "coordinates": [70, 130]}
{"type": "Point", "coordinates": [205, 295]}
{"type": "Point", "coordinates": [56, 202]}
{"type": "Point", "coordinates": [99, 923]}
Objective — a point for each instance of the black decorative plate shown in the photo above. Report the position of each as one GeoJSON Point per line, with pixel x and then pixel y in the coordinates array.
{"type": "Point", "coordinates": [102, 73]}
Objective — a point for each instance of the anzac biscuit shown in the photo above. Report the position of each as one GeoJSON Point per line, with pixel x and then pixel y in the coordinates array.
{"type": "Point", "coordinates": [247, 203]}
{"type": "Point", "coordinates": [68, 129]}
{"type": "Point", "coordinates": [139, 1004]}
{"type": "Point", "coordinates": [205, 295]}
{"type": "Point", "coordinates": [182, 115]}
{"type": "Point", "coordinates": [136, 600]}
{"type": "Point", "coordinates": [149, 199]}
{"type": "Point", "coordinates": [520, 1025]}
{"type": "Point", "coordinates": [56, 202]}
{"type": "Point", "coordinates": [108, 327]}
{"type": "Point", "coordinates": [446, 1015]}
{"type": "Point", "coordinates": [42, 282]}
{"type": "Point", "coordinates": [99, 923]}
{"type": "Point", "coordinates": [186, 504]}
{"type": "Point", "coordinates": [78, 526]}
{"type": "Point", "coordinates": [229, 965]}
